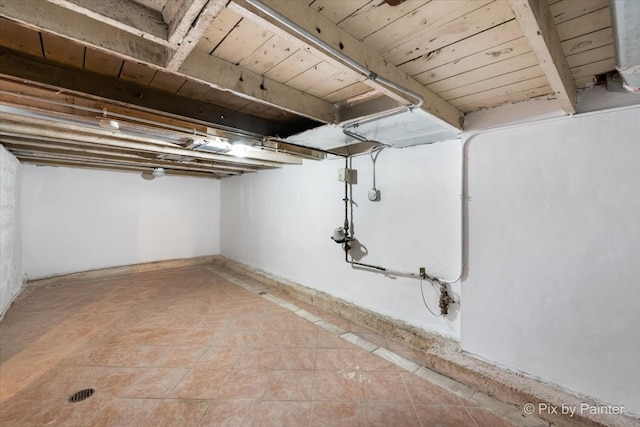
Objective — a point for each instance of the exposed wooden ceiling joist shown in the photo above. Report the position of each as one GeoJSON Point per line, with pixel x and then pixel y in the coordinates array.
{"type": "Point", "coordinates": [55, 145]}
{"type": "Point", "coordinates": [179, 15]}
{"type": "Point", "coordinates": [66, 23]}
{"type": "Point", "coordinates": [13, 125]}
{"type": "Point", "coordinates": [130, 94]}
{"type": "Point", "coordinates": [214, 72]}
{"type": "Point", "coordinates": [539, 29]}
{"type": "Point", "coordinates": [142, 165]}
{"type": "Point", "coordinates": [223, 75]}
{"type": "Point", "coordinates": [193, 23]}
{"type": "Point", "coordinates": [331, 34]}
{"type": "Point", "coordinates": [126, 15]}
{"type": "Point", "coordinates": [81, 133]}
{"type": "Point", "coordinates": [34, 96]}
{"type": "Point", "coordinates": [101, 166]}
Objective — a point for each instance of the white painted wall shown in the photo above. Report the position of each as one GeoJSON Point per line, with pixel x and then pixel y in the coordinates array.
{"type": "Point", "coordinates": [77, 220]}
{"type": "Point", "coordinates": [554, 250]}
{"type": "Point", "coordinates": [554, 253]}
{"type": "Point", "coordinates": [281, 221]}
{"type": "Point", "coordinates": [11, 283]}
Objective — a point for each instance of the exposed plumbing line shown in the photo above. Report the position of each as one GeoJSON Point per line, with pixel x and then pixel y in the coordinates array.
{"type": "Point", "coordinates": [464, 196]}
{"type": "Point", "coordinates": [347, 237]}
{"type": "Point", "coordinates": [349, 232]}
{"type": "Point", "coordinates": [354, 135]}
{"type": "Point", "coordinates": [464, 189]}
{"type": "Point", "coordinates": [374, 158]}
{"type": "Point", "coordinates": [190, 131]}
{"type": "Point", "coordinates": [373, 76]}
{"type": "Point", "coordinates": [370, 74]}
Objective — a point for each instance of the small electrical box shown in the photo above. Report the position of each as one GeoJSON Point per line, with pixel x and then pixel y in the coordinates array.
{"type": "Point", "coordinates": [350, 176]}
{"type": "Point", "coordinates": [374, 195]}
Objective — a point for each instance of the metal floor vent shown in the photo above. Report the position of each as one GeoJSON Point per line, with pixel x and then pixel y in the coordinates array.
{"type": "Point", "coordinates": [81, 395]}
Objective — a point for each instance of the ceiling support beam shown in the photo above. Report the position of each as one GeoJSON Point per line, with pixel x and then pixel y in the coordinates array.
{"type": "Point", "coordinates": [53, 145]}
{"type": "Point", "coordinates": [96, 159]}
{"type": "Point", "coordinates": [71, 25]}
{"type": "Point", "coordinates": [330, 34]}
{"type": "Point", "coordinates": [102, 166]}
{"type": "Point", "coordinates": [187, 25]}
{"type": "Point", "coordinates": [123, 14]}
{"type": "Point", "coordinates": [16, 126]}
{"type": "Point", "coordinates": [223, 75]}
{"type": "Point", "coordinates": [178, 15]}
{"type": "Point", "coordinates": [130, 94]}
{"type": "Point", "coordinates": [538, 27]}
{"type": "Point", "coordinates": [216, 73]}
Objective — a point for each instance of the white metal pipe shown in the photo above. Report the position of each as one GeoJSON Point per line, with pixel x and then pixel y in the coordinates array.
{"type": "Point", "coordinates": [464, 196]}
{"type": "Point", "coordinates": [335, 52]}
{"type": "Point", "coordinates": [21, 130]}
{"type": "Point", "coordinates": [188, 131]}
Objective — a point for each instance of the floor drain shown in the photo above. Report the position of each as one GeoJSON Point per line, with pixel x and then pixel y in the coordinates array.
{"type": "Point", "coordinates": [81, 395]}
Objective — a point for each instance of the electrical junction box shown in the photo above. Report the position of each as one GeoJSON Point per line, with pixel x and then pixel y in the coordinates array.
{"type": "Point", "coordinates": [350, 176]}
{"type": "Point", "coordinates": [374, 195]}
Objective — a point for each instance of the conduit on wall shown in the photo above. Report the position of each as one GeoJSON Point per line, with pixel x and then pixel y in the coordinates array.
{"type": "Point", "coordinates": [344, 235]}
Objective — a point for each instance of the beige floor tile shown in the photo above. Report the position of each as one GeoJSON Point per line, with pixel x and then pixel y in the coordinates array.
{"type": "Point", "coordinates": [445, 416]}
{"type": "Point", "coordinates": [336, 414]}
{"type": "Point", "coordinates": [230, 413]}
{"type": "Point", "coordinates": [386, 414]}
{"type": "Point", "coordinates": [178, 413]}
{"type": "Point", "coordinates": [290, 385]}
{"type": "Point", "coordinates": [336, 386]}
{"type": "Point", "coordinates": [200, 384]}
{"type": "Point", "coordinates": [280, 414]}
{"type": "Point", "coordinates": [189, 347]}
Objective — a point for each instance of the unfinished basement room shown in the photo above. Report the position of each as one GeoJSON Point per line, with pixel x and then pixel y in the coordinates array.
{"type": "Point", "coordinates": [316, 213]}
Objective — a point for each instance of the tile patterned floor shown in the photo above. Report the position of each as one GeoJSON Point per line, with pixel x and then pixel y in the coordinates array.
{"type": "Point", "coordinates": [190, 347]}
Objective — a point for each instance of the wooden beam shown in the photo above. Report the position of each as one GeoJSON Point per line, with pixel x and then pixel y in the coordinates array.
{"type": "Point", "coordinates": [241, 82]}
{"type": "Point", "coordinates": [123, 14]}
{"type": "Point", "coordinates": [102, 166]}
{"type": "Point", "coordinates": [223, 75]}
{"type": "Point", "coordinates": [178, 15]}
{"type": "Point", "coordinates": [340, 40]}
{"type": "Point", "coordinates": [93, 158]}
{"type": "Point", "coordinates": [41, 127]}
{"type": "Point", "coordinates": [13, 125]}
{"type": "Point", "coordinates": [53, 145]}
{"type": "Point", "coordinates": [45, 16]}
{"type": "Point", "coordinates": [130, 94]}
{"type": "Point", "coordinates": [284, 146]}
{"type": "Point", "coordinates": [28, 96]}
{"type": "Point", "coordinates": [538, 27]}
{"type": "Point", "coordinates": [191, 26]}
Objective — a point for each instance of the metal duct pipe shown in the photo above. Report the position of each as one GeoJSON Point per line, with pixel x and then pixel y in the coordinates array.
{"type": "Point", "coordinates": [625, 22]}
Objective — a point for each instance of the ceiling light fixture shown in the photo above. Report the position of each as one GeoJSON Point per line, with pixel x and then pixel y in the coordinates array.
{"type": "Point", "coordinates": [218, 142]}
{"type": "Point", "coordinates": [215, 144]}
{"type": "Point", "coordinates": [108, 123]}
{"type": "Point", "coordinates": [240, 149]}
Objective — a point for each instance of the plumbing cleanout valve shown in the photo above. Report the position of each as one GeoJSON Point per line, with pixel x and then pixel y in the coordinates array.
{"type": "Point", "coordinates": [339, 235]}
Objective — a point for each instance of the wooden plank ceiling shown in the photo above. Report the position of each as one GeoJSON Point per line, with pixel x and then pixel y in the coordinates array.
{"type": "Point", "coordinates": [228, 69]}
